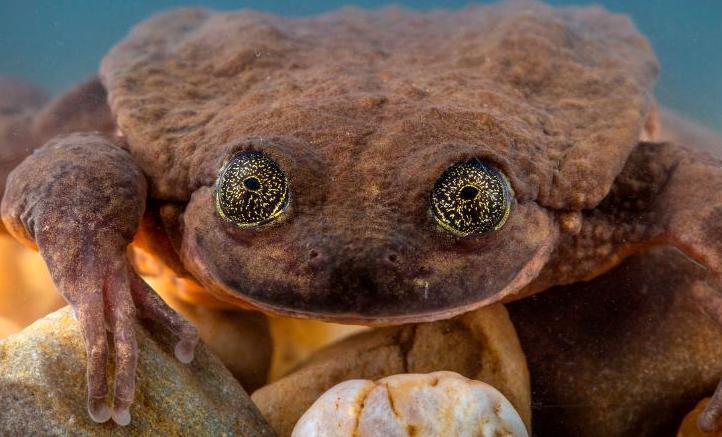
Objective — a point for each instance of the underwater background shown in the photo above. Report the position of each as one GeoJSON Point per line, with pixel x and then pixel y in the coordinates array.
{"type": "Point", "coordinates": [56, 43]}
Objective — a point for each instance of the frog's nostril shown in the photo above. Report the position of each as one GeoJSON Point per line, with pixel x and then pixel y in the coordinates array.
{"type": "Point", "coordinates": [316, 259]}
{"type": "Point", "coordinates": [392, 258]}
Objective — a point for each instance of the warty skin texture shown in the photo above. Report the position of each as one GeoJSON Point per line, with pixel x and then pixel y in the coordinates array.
{"type": "Point", "coordinates": [554, 99]}
{"type": "Point", "coordinates": [363, 111]}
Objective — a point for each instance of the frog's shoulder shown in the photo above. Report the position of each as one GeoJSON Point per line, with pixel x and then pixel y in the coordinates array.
{"type": "Point", "coordinates": [579, 80]}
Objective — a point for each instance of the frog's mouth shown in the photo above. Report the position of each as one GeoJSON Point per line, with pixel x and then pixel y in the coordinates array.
{"type": "Point", "coordinates": [400, 303]}
{"type": "Point", "coordinates": [361, 285]}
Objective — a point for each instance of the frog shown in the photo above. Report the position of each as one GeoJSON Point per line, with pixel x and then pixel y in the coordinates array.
{"type": "Point", "coordinates": [365, 167]}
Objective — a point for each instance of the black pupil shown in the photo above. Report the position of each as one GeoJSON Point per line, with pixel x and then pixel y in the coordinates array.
{"type": "Point", "coordinates": [251, 184]}
{"type": "Point", "coordinates": [469, 192]}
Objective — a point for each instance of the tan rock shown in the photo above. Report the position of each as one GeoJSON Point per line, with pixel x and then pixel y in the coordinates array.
{"type": "Point", "coordinates": [26, 291]}
{"type": "Point", "coordinates": [434, 404]}
{"type": "Point", "coordinates": [43, 390]}
{"type": "Point", "coordinates": [7, 327]}
{"type": "Point", "coordinates": [295, 340]}
{"type": "Point", "coordinates": [481, 345]}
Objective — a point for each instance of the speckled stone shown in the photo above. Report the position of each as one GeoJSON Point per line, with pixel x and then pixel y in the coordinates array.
{"type": "Point", "coordinates": [43, 390]}
{"type": "Point", "coordinates": [481, 345]}
{"type": "Point", "coordinates": [420, 405]}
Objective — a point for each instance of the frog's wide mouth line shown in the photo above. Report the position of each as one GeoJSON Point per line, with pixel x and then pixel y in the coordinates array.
{"type": "Point", "coordinates": [522, 278]}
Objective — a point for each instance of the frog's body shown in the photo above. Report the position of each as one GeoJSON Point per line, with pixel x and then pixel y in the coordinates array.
{"type": "Point", "coordinates": [362, 112]}
{"type": "Point", "coordinates": [529, 89]}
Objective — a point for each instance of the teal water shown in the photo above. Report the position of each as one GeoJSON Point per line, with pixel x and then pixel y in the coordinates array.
{"type": "Point", "coordinates": [56, 43]}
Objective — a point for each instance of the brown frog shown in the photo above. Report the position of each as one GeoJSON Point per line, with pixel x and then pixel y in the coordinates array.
{"type": "Point", "coordinates": [376, 168]}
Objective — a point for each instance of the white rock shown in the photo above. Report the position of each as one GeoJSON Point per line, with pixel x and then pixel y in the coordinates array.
{"type": "Point", "coordinates": [434, 404]}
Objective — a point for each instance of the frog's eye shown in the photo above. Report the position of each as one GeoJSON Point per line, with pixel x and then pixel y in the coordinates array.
{"type": "Point", "coordinates": [470, 197]}
{"type": "Point", "coordinates": [251, 189]}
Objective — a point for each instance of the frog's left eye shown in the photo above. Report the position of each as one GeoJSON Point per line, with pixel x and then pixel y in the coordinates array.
{"type": "Point", "coordinates": [471, 197]}
{"type": "Point", "coordinates": [251, 189]}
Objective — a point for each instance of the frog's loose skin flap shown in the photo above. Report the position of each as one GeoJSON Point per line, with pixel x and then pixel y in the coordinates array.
{"type": "Point", "coordinates": [666, 195]}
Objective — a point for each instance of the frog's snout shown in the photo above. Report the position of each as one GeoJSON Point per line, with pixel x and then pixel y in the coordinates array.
{"type": "Point", "coordinates": [378, 256]}
{"type": "Point", "coordinates": [380, 269]}
{"type": "Point", "coordinates": [320, 259]}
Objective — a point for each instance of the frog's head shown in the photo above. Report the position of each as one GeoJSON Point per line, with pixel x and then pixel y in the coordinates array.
{"type": "Point", "coordinates": [365, 236]}
{"type": "Point", "coordinates": [380, 167]}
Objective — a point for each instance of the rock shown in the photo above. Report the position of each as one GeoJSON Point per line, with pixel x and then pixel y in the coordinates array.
{"type": "Point", "coordinates": [295, 340]}
{"type": "Point", "coordinates": [434, 404]}
{"type": "Point", "coordinates": [27, 292]}
{"type": "Point", "coordinates": [626, 354]}
{"type": "Point", "coordinates": [240, 339]}
{"type": "Point", "coordinates": [481, 345]}
{"type": "Point", "coordinates": [43, 390]}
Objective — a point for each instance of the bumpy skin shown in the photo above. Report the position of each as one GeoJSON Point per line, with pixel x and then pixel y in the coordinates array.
{"type": "Point", "coordinates": [25, 124]}
{"type": "Point", "coordinates": [666, 194]}
{"type": "Point", "coordinates": [19, 102]}
{"type": "Point", "coordinates": [363, 111]}
{"type": "Point", "coordinates": [626, 354]}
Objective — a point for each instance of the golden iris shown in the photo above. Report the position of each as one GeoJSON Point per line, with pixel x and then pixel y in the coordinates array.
{"type": "Point", "coordinates": [471, 197]}
{"type": "Point", "coordinates": [251, 189]}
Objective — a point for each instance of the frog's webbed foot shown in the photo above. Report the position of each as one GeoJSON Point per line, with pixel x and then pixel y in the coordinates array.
{"type": "Point", "coordinates": [80, 198]}
{"type": "Point", "coordinates": [150, 306]}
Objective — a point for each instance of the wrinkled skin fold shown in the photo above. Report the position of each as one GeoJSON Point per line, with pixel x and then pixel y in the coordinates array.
{"type": "Point", "coordinates": [362, 111]}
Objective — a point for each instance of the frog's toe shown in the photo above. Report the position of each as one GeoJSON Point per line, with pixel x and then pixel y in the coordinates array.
{"type": "Point", "coordinates": [184, 351]}
{"type": "Point", "coordinates": [710, 299]}
{"type": "Point", "coordinates": [711, 418]}
{"type": "Point", "coordinates": [121, 416]}
{"type": "Point", "coordinates": [152, 307]}
{"type": "Point", "coordinates": [98, 410]}
{"type": "Point", "coordinates": [102, 300]}
{"type": "Point", "coordinates": [121, 310]}
{"type": "Point", "coordinates": [89, 310]}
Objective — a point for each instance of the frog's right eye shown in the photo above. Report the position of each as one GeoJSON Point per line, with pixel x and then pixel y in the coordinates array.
{"type": "Point", "coordinates": [251, 190]}
{"type": "Point", "coordinates": [471, 198]}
